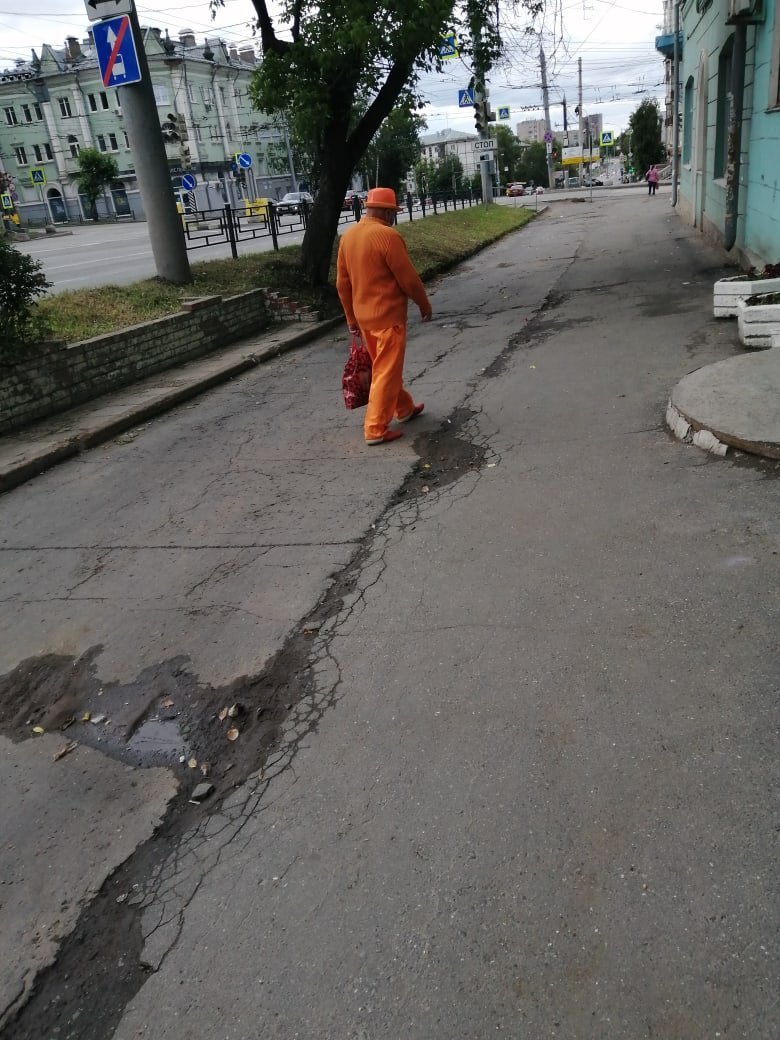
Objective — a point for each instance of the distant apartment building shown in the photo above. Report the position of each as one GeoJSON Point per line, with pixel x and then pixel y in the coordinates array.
{"type": "Point", "coordinates": [54, 105]}
{"type": "Point", "coordinates": [530, 130]}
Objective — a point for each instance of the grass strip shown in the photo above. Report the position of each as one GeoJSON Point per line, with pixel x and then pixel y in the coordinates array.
{"type": "Point", "coordinates": [435, 245]}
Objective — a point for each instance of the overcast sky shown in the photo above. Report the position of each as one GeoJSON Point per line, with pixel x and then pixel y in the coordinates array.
{"type": "Point", "coordinates": [614, 38]}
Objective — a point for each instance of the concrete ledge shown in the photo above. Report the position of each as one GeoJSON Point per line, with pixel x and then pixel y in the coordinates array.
{"type": "Point", "coordinates": [733, 402]}
{"type": "Point", "coordinates": [37, 448]}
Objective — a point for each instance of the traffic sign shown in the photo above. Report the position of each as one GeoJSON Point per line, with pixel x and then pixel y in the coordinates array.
{"type": "Point", "coordinates": [448, 46]}
{"type": "Point", "coordinates": [6, 201]}
{"type": "Point", "coordinates": [607, 139]}
{"type": "Point", "coordinates": [503, 112]}
{"type": "Point", "coordinates": [486, 144]}
{"type": "Point", "coordinates": [188, 182]}
{"type": "Point", "coordinates": [37, 175]}
{"type": "Point", "coordinates": [466, 97]}
{"type": "Point", "coordinates": [97, 10]}
{"type": "Point", "coordinates": [244, 160]}
{"type": "Point", "coordinates": [548, 135]}
{"type": "Point", "coordinates": [116, 53]}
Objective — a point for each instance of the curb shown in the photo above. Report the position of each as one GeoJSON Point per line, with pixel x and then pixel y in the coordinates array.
{"type": "Point", "coordinates": [35, 463]}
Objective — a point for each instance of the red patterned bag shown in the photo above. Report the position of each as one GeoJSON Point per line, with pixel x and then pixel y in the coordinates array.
{"type": "Point", "coordinates": [356, 381]}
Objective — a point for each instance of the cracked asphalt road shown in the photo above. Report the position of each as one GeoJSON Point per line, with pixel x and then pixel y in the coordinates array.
{"type": "Point", "coordinates": [522, 780]}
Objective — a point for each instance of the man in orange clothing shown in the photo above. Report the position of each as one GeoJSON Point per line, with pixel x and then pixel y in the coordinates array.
{"type": "Point", "coordinates": [375, 277]}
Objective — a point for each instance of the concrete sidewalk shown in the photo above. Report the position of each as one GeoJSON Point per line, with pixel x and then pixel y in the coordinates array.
{"type": "Point", "coordinates": [42, 445]}
{"type": "Point", "coordinates": [733, 403]}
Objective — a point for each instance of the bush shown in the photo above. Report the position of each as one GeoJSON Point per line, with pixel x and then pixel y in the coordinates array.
{"type": "Point", "coordinates": [21, 280]}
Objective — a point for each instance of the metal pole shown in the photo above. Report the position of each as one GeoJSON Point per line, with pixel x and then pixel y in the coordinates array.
{"type": "Point", "coordinates": [151, 165]}
{"type": "Point", "coordinates": [581, 141]}
{"type": "Point", "coordinates": [547, 125]}
{"type": "Point", "coordinates": [676, 112]}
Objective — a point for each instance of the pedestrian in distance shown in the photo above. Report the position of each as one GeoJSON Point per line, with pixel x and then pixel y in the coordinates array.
{"type": "Point", "coordinates": [652, 180]}
{"type": "Point", "coordinates": [375, 279]}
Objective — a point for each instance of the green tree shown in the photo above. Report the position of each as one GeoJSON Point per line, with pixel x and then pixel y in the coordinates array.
{"type": "Point", "coordinates": [96, 172]}
{"type": "Point", "coordinates": [646, 140]}
{"type": "Point", "coordinates": [533, 165]}
{"type": "Point", "coordinates": [509, 153]}
{"type": "Point", "coordinates": [326, 58]}
{"type": "Point", "coordinates": [21, 280]}
{"type": "Point", "coordinates": [393, 150]}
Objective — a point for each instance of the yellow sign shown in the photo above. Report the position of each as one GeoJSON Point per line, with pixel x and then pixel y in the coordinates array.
{"type": "Point", "coordinates": [6, 201]}
{"type": "Point", "coordinates": [37, 175]}
{"type": "Point", "coordinates": [448, 47]}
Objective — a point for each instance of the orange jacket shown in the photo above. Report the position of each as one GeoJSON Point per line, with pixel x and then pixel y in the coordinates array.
{"type": "Point", "coordinates": [375, 276]}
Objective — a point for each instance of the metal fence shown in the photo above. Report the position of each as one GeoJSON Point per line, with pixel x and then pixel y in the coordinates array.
{"type": "Point", "coordinates": [264, 218]}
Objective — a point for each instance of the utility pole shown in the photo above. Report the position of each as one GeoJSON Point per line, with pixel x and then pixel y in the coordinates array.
{"type": "Point", "coordinates": [547, 126]}
{"type": "Point", "coordinates": [483, 115]}
{"type": "Point", "coordinates": [151, 167]}
{"type": "Point", "coordinates": [676, 99]}
{"type": "Point", "coordinates": [581, 140]}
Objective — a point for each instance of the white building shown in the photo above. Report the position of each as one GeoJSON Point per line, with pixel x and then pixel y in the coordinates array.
{"type": "Point", "coordinates": [435, 147]}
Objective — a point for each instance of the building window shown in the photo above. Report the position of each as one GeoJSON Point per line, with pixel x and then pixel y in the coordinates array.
{"type": "Point", "coordinates": [92, 102]}
{"type": "Point", "coordinates": [112, 143]}
{"type": "Point", "coordinates": [65, 111]}
{"type": "Point", "coordinates": [38, 152]}
{"type": "Point", "coordinates": [127, 139]}
{"type": "Point", "coordinates": [687, 147]}
{"type": "Point", "coordinates": [104, 100]}
{"type": "Point", "coordinates": [37, 111]}
{"type": "Point", "coordinates": [198, 133]}
{"type": "Point", "coordinates": [21, 155]}
{"type": "Point", "coordinates": [723, 117]}
{"type": "Point", "coordinates": [73, 146]}
{"type": "Point", "coordinates": [774, 68]}
{"type": "Point", "coordinates": [27, 114]}
{"type": "Point", "coordinates": [10, 115]}
{"type": "Point", "coordinates": [101, 142]}
{"type": "Point", "coordinates": [48, 152]}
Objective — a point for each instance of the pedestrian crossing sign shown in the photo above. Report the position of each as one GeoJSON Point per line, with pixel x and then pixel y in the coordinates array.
{"type": "Point", "coordinates": [607, 139]}
{"type": "Point", "coordinates": [6, 201]}
{"type": "Point", "coordinates": [37, 175]}
{"type": "Point", "coordinates": [503, 112]}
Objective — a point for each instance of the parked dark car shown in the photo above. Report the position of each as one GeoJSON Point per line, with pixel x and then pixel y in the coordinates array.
{"type": "Point", "coordinates": [293, 202]}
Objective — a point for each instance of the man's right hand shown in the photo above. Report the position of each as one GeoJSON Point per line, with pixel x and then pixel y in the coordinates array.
{"type": "Point", "coordinates": [426, 315]}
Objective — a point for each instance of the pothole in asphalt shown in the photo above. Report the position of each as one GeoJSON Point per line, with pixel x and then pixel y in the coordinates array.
{"type": "Point", "coordinates": [167, 716]}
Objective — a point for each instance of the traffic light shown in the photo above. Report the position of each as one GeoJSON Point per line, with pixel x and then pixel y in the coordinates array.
{"type": "Point", "coordinates": [170, 130]}
{"type": "Point", "coordinates": [480, 116]}
{"type": "Point", "coordinates": [483, 116]}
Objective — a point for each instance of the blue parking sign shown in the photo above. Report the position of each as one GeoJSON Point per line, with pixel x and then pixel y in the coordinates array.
{"type": "Point", "coordinates": [116, 53]}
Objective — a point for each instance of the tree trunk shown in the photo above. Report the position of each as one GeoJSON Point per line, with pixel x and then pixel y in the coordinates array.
{"type": "Point", "coordinates": [321, 229]}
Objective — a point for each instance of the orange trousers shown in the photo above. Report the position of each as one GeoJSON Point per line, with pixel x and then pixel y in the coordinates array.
{"type": "Point", "coordinates": [387, 397]}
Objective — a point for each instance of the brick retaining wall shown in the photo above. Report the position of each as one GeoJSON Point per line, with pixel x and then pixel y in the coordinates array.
{"type": "Point", "coordinates": [58, 377]}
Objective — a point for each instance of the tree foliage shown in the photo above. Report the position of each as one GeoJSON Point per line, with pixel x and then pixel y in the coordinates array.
{"type": "Point", "coordinates": [646, 138]}
{"type": "Point", "coordinates": [96, 172]}
{"type": "Point", "coordinates": [509, 154]}
{"type": "Point", "coordinates": [393, 150]}
{"type": "Point", "coordinates": [326, 60]}
{"type": "Point", "coordinates": [21, 280]}
{"type": "Point", "coordinates": [533, 165]}
{"type": "Point", "coordinates": [440, 178]}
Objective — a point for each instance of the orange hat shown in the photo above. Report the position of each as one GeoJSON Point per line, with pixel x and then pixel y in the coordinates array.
{"type": "Point", "coordinates": [382, 198]}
